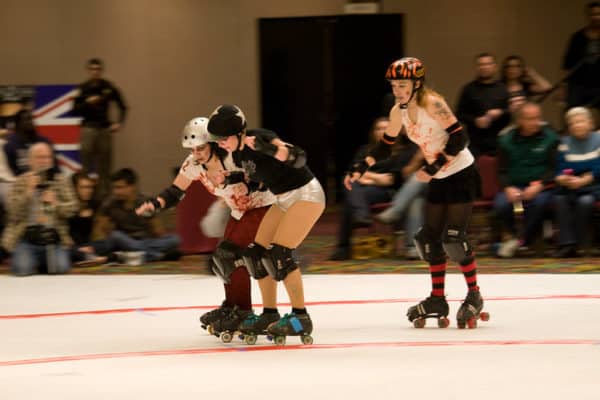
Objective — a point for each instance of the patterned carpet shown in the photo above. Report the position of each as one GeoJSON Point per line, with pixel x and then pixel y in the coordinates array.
{"type": "Point", "coordinates": [317, 248]}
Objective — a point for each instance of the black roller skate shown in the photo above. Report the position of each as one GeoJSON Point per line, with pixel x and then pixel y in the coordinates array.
{"type": "Point", "coordinates": [292, 325]}
{"type": "Point", "coordinates": [211, 316]}
{"type": "Point", "coordinates": [470, 311]}
{"type": "Point", "coordinates": [227, 326]}
{"type": "Point", "coordinates": [431, 307]}
{"type": "Point", "coordinates": [255, 325]}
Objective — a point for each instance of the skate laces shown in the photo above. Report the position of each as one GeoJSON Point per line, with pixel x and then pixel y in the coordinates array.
{"type": "Point", "coordinates": [251, 319]}
{"type": "Point", "coordinates": [285, 319]}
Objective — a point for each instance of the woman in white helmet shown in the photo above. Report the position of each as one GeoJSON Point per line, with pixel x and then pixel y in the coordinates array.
{"type": "Point", "coordinates": [454, 183]}
{"type": "Point", "coordinates": [215, 169]}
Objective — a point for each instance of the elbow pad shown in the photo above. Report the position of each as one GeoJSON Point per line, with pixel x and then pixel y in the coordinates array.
{"type": "Point", "coordinates": [234, 177]}
{"type": "Point", "coordinates": [171, 195]}
{"type": "Point", "coordinates": [296, 157]}
{"type": "Point", "coordinates": [383, 148]}
{"type": "Point", "coordinates": [433, 168]}
{"type": "Point", "coordinates": [457, 139]}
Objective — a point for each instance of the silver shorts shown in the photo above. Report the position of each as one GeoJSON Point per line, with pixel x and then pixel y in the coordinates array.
{"type": "Point", "coordinates": [312, 192]}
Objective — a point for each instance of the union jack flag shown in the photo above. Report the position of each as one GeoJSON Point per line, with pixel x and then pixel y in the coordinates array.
{"type": "Point", "coordinates": [53, 105]}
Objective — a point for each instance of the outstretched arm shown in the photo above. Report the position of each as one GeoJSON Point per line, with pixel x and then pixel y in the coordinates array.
{"type": "Point", "coordinates": [168, 198]}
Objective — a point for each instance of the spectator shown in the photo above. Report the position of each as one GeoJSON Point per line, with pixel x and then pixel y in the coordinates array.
{"type": "Point", "coordinates": [38, 206]}
{"type": "Point", "coordinates": [377, 185]}
{"type": "Point", "coordinates": [483, 107]}
{"type": "Point", "coordinates": [521, 80]}
{"type": "Point", "coordinates": [527, 164]}
{"type": "Point", "coordinates": [120, 229]}
{"type": "Point", "coordinates": [578, 180]}
{"type": "Point", "coordinates": [18, 143]}
{"type": "Point", "coordinates": [92, 104]}
{"type": "Point", "coordinates": [581, 62]}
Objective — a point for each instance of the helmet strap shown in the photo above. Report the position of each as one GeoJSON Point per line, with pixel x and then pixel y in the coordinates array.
{"type": "Point", "coordinates": [412, 93]}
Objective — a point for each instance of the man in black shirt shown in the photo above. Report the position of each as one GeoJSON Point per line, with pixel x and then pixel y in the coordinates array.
{"type": "Point", "coordinates": [92, 104]}
{"type": "Point", "coordinates": [483, 107]}
{"type": "Point", "coordinates": [582, 62]}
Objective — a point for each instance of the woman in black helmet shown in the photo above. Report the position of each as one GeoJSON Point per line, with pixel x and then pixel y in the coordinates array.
{"type": "Point", "coordinates": [300, 201]}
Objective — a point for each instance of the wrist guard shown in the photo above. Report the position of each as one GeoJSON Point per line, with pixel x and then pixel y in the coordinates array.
{"type": "Point", "coordinates": [433, 168]}
{"type": "Point", "coordinates": [171, 195]}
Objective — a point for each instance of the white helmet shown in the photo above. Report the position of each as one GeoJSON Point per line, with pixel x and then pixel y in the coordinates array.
{"type": "Point", "coordinates": [195, 133]}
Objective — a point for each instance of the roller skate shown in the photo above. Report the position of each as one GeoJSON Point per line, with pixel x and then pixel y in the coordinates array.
{"type": "Point", "coordinates": [227, 326]}
{"type": "Point", "coordinates": [255, 325]}
{"type": "Point", "coordinates": [470, 311]}
{"type": "Point", "coordinates": [431, 307]}
{"type": "Point", "coordinates": [292, 325]}
{"type": "Point", "coordinates": [211, 316]}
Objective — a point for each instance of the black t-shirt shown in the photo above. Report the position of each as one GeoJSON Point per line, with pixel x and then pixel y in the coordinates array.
{"type": "Point", "coordinates": [126, 220]}
{"type": "Point", "coordinates": [274, 174]}
{"type": "Point", "coordinates": [583, 50]}
{"type": "Point", "coordinates": [96, 114]}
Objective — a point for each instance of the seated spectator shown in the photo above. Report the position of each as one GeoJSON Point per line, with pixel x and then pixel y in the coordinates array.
{"type": "Point", "coordinates": [521, 80]}
{"type": "Point", "coordinates": [38, 206]}
{"type": "Point", "coordinates": [118, 228]}
{"type": "Point", "coordinates": [578, 180]}
{"type": "Point", "coordinates": [80, 224]}
{"type": "Point", "coordinates": [483, 107]}
{"type": "Point", "coordinates": [377, 185]}
{"type": "Point", "coordinates": [527, 164]}
{"type": "Point", "coordinates": [18, 142]}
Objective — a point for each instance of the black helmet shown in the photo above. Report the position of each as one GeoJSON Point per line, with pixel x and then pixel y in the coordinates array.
{"type": "Point", "coordinates": [226, 120]}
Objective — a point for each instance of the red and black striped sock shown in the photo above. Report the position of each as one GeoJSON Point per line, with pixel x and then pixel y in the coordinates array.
{"type": "Point", "coordinates": [438, 278]}
{"type": "Point", "coordinates": [470, 272]}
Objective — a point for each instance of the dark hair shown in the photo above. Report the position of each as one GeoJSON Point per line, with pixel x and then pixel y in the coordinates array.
{"type": "Point", "coordinates": [484, 54]}
{"type": "Point", "coordinates": [77, 176]}
{"type": "Point", "coordinates": [592, 4]}
{"type": "Point", "coordinates": [125, 174]}
{"type": "Point", "coordinates": [94, 61]}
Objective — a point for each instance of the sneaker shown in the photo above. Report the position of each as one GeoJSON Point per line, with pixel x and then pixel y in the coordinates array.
{"type": "Point", "coordinates": [509, 248]}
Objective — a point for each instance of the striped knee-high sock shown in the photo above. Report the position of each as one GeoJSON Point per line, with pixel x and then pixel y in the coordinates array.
{"type": "Point", "coordinates": [438, 278]}
{"type": "Point", "coordinates": [470, 272]}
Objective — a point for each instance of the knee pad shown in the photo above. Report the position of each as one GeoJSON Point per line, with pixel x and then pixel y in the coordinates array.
{"type": "Point", "coordinates": [226, 258]}
{"type": "Point", "coordinates": [279, 262]}
{"type": "Point", "coordinates": [252, 257]}
{"type": "Point", "coordinates": [456, 245]}
{"type": "Point", "coordinates": [429, 247]}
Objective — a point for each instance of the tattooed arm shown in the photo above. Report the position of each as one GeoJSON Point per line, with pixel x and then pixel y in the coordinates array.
{"type": "Point", "coordinates": [457, 137]}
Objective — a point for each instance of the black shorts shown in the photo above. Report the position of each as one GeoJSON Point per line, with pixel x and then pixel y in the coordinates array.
{"type": "Point", "coordinates": [461, 187]}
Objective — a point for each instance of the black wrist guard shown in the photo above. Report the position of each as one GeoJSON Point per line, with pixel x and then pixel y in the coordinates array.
{"type": "Point", "coordinates": [383, 148]}
{"type": "Point", "coordinates": [264, 147]}
{"type": "Point", "coordinates": [433, 168]}
{"type": "Point", "coordinates": [234, 177]}
{"type": "Point", "coordinates": [171, 195]}
{"type": "Point", "coordinates": [296, 157]}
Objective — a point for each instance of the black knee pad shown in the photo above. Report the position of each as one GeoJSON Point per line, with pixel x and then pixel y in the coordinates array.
{"type": "Point", "coordinates": [226, 258]}
{"type": "Point", "coordinates": [456, 246]}
{"type": "Point", "coordinates": [429, 247]}
{"type": "Point", "coordinates": [252, 257]}
{"type": "Point", "coordinates": [279, 262]}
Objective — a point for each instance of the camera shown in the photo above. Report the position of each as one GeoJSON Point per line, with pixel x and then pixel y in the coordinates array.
{"type": "Point", "coordinates": [46, 176]}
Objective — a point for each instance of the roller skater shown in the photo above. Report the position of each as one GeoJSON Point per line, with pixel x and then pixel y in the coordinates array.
{"type": "Point", "coordinates": [454, 183]}
{"type": "Point", "coordinates": [228, 325]}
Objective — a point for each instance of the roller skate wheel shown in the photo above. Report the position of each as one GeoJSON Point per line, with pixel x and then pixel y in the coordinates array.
{"type": "Point", "coordinates": [461, 324]}
{"type": "Point", "coordinates": [226, 337]}
{"type": "Point", "coordinates": [270, 338]}
{"type": "Point", "coordinates": [307, 339]}
{"type": "Point", "coordinates": [484, 316]}
{"type": "Point", "coordinates": [472, 323]}
{"type": "Point", "coordinates": [250, 340]}
{"type": "Point", "coordinates": [203, 326]}
{"type": "Point", "coordinates": [279, 340]}
{"type": "Point", "coordinates": [419, 323]}
{"type": "Point", "coordinates": [241, 336]}
{"type": "Point", "coordinates": [210, 329]}
{"type": "Point", "coordinates": [443, 322]}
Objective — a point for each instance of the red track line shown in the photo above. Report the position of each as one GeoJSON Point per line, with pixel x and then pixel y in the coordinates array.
{"type": "Point", "coordinates": [219, 350]}
{"type": "Point", "coordinates": [313, 303]}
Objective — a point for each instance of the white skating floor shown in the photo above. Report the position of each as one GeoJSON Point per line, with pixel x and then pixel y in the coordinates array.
{"type": "Point", "coordinates": [138, 337]}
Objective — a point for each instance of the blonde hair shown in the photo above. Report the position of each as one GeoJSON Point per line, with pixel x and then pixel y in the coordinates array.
{"type": "Point", "coordinates": [575, 111]}
{"type": "Point", "coordinates": [423, 95]}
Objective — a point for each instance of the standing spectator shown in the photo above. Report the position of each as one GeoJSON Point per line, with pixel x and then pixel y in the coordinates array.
{"type": "Point", "coordinates": [578, 178]}
{"type": "Point", "coordinates": [527, 165]}
{"type": "Point", "coordinates": [522, 80]}
{"type": "Point", "coordinates": [92, 104]}
{"type": "Point", "coordinates": [18, 143]}
{"type": "Point", "coordinates": [581, 62]}
{"type": "Point", "coordinates": [38, 206]}
{"type": "Point", "coordinates": [483, 107]}
{"type": "Point", "coordinates": [118, 228]}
